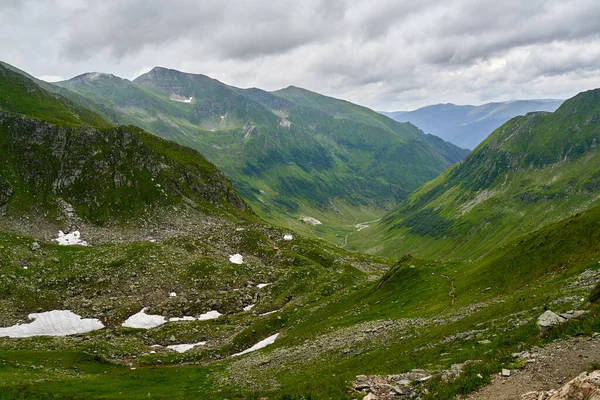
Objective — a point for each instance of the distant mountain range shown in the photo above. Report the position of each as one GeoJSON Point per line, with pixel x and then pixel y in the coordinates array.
{"type": "Point", "coordinates": [292, 153]}
{"type": "Point", "coordinates": [467, 126]}
{"type": "Point", "coordinates": [533, 170]}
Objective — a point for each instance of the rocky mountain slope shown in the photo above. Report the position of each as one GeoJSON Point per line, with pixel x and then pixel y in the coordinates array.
{"type": "Point", "coordinates": [291, 153]}
{"type": "Point", "coordinates": [57, 173]}
{"type": "Point", "coordinates": [533, 170]}
{"type": "Point", "coordinates": [467, 126]}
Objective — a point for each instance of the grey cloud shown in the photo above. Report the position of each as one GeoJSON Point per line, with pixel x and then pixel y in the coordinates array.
{"type": "Point", "coordinates": [387, 54]}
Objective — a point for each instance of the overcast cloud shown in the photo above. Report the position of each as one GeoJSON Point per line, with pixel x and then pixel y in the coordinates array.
{"type": "Point", "coordinates": [385, 54]}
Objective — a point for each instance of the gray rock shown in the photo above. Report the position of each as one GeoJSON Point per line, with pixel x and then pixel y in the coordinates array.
{"type": "Point", "coordinates": [505, 372]}
{"type": "Point", "coordinates": [35, 246]}
{"type": "Point", "coordinates": [548, 320]}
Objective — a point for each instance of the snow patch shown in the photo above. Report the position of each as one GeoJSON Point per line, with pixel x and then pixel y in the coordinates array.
{"type": "Point", "coordinates": [263, 343]}
{"type": "Point", "coordinates": [249, 307]}
{"type": "Point", "coordinates": [53, 323]}
{"type": "Point", "coordinates": [311, 221]}
{"type": "Point", "coordinates": [209, 315]}
{"type": "Point", "coordinates": [181, 99]}
{"type": "Point", "coordinates": [236, 259]}
{"type": "Point", "coordinates": [182, 348]}
{"type": "Point", "coordinates": [268, 313]}
{"type": "Point", "coordinates": [144, 321]}
{"type": "Point", "coordinates": [262, 285]}
{"type": "Point", "coordinates": [70, 239]}
{"type": "Point", "coordinates": [175, 319]}
{"type": "Point", "coordinates": [287, 238]}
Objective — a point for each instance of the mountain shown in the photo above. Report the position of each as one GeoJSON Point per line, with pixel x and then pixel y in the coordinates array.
{"type": "Point", "coordinates": [533, 170]}
{"type": "Point", "coordinates": [20, 94]}
{"type": "Point", "coordinates": [467, 126]}
{"type": "Point", "coordinates": [292, 154]}
{"type": "Point", "coordinates": [57, 171]}
{"type": "Point", "coordinates": [185, 293]}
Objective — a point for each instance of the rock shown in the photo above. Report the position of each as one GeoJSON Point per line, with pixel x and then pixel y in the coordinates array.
{"type": "Point", "coordinates": [35, 246]}
{"type": "Point", "coordinates": [370, 396]}
{"type": "Point", "coordinates": [505, 372]}
{"type": "Point", "coordinates": [584, 387]}
{"type": "Point", "coordinates": [485, 341]}
{"type": "Point", "coordinates": [548, 320]}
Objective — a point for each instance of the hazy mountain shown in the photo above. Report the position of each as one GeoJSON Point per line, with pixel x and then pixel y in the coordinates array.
{"type": "Point", "coordinates": [467, 126]}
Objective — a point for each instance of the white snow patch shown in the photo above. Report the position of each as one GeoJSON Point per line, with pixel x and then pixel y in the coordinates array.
{"type": "Point", "coordinates": [262, 285]}
{"type": "Point", "coordinates": [311, 220]}
{"type": "Point", "coordinates": [175, 319]}
{"type": "Point", "coordinates": [270, 312]}
{"type": "Point", "coordinates": [209, 315]}
{"type": "Point", "coordinates": [236, 259]}
{"type": "Point", "coordinates": [182, 348]}
{"type": "Point", "coordinates": [263, 343]}
{"type": "Point", "coordinates": [181, 99]}
{"type": "Point", "coordinates": [172, 294]}
{"type": "Point", "coordinates": [70, 239]}
{"type": "Point", "coordinates": [287, 238]}
{"type": "Point", "coordinates": [249, 307]}
{"type": "Point", "coordinates": [53, 323]}
{"type": "Point", "coordinates": [144, 321]}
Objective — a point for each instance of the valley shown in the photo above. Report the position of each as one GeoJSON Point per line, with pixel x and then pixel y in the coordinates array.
{"type": "Point", "coordinates": [132, 267]}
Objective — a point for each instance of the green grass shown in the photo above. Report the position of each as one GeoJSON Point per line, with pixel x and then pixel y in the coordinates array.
{"type": "Point", "coordinates": [336, 161]}
{"type": "Point", "coordinates": [532, 171]}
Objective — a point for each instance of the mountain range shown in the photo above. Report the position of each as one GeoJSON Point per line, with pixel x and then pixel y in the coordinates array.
{"type": "Point", "coordinates": [293, 154]}
{"type": "Point", "coordinates": [466, 125]}
{"type": "Point", "coordinates": [533, 170]}
{"type": "Point", "coordinates": [131, 267]}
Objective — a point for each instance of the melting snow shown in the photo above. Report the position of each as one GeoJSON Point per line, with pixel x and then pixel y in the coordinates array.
{"type": "Point", "coordinates": [287, 238]}
{"type": "Point", "coordinates": [262, 285]}
{"type": "Point", "coordinates": [249, 307]}
{"type": "Point", "coordinates": [270, 312]}
{"type": "Point", "coordinates": [263, 343]}
{"type": "Point", "coordinates": [181, 99]}
{"type": "Point", "coordinates": [182, 348]}
{"type": "Point", "coordinates": [311, 220]}
{"type": "Point", "coordinates": [53, 323]}
{"type": "Point", "coordinates": [69, 239]}
{"type": "Point", "coordinates": [175, 319]}
{"type": "Point", "coordinates": [236, 259]}
{"type": "Point", "coordinates": [209, 315]}
{"type": "Point", "coordinates": [144, 321]}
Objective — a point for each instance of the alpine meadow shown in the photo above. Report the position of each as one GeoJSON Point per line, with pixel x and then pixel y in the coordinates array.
{"type": "Point", "coordinates": [219, 213]}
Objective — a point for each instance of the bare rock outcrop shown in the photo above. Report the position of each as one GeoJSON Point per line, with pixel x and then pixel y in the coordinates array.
{"type": "Point", "coordinates": [584, 387]}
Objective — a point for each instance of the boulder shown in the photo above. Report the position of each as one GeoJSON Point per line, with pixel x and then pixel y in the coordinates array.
{"type": "Point", "coordinates": [584, 387]}
{"type": "Point", "coordinates": [548, 320]}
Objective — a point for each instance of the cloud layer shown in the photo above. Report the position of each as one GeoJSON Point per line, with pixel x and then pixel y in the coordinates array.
{"type": "Point", "coordinates": [385, 54]}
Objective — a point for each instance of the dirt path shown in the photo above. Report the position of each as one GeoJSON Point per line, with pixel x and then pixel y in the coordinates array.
{"type": "Point", "coordinates": [556, 364]}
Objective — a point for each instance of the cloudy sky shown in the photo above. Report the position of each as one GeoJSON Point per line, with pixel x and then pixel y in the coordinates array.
{"type": "Point", "coordinates": [385, 54]}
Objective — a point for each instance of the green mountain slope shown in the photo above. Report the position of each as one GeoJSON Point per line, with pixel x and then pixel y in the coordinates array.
{"type": "Point", "coordinates": [20, 94]}
{"type": "Point", "coordinates": [291, 153]}
{"type": "Point", "coordinates": [531, 171]}
{"type": "Point", "coordinates": [57, 173]}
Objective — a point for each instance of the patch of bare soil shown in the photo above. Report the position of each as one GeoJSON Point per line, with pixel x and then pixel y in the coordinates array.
{"type": "Point", "coordinates": [549, 367]}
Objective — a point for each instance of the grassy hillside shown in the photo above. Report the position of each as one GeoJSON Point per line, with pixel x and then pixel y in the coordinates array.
{"type": "Point", "coordinates": [533, 170]}
{"type": "Point", "coordinates": [290, 153]}
{"type": "Point", "coordinates": [20, 94]}
{"type": "Point", "coordinates": [58, 173]}
{"type": "Point", "coordinates": [338, 314]}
